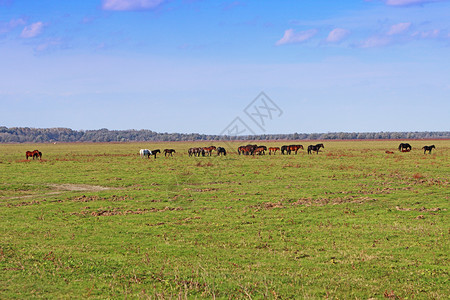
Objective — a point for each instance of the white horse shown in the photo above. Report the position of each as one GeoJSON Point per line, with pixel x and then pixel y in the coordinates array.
{"type": "Point", "coordinates": [145, 152]}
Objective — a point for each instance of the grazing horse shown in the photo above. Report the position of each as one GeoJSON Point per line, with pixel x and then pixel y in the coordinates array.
{"type": "Point", "coordinates": [37, 154]}
{"type": "Point", "coordinates": [145, 152]}
{"type": "Point", "coordinates": [404, 146]}
{"type": "Point", "coordinates": [285, 148]}
{"type": "Point", "coordinates": [260, 150]}
{"type": "Point", "coordinates": [428, 148]}
{"type": "Point", "coordinates": [209, 149]}
{"type": "Point", "coordinates": [34, 154]}
{"type": "Point", "coordinates": [294, 148]}
{"type": "Point", "coordinates": [154, 152]}
{"type": "Point", "coordinates": [196, 151]}
{"type": "Point", "coordinates": [247, 150]}
{"type": "Point", "coordinates": [315, 148]}
{"type": "Point", "coordinates": [169, 152]}
{"type": "Point", "coordinates": [273, 149]}
{"type": "Point", "coordinates": [221, 151]}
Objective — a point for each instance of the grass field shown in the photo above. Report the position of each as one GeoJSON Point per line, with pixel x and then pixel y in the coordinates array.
{"type": "Point", "coordinates": [97, 221]}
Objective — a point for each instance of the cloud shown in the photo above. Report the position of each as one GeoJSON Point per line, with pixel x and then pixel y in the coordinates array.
{"type": "Point", "coordinates": [290, 37]}
{"type": "Point", "coordinates": [130, 5]}
{"type": "Point", "coordinates": [399, 28]}
{"type": "Point", "coordinates": [431, 34]}
{"type": "Point", "coordinates": [32, 30]}
{"type": "Point", "coordinates": [8, 26]}
{"type": "Point", "coordinates": [409, 2]}
{"type": "Point", "coordinates": [375, 41]}
{"type": "Point", "coordinates": [337, 35]}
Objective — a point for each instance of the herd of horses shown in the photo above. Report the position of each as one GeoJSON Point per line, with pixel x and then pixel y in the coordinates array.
{"type": "Point", "coordinates": [285, 150]}
{"type": "Point", "coordinates": [253, 149]}
{"type": "Point", "coordinates": [405, 147]}
{"type": "Point", "coordinates": [206, 151]}
{"type": "Point", "coordinates": [242, 150]}
{"type": "Point", "coordinates": [147, 153]}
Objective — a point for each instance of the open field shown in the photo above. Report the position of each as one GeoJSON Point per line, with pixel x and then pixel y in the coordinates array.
{"type": "Point", "coordinates": [97, 221]}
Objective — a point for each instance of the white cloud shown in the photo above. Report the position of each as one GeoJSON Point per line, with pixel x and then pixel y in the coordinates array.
{"type": "Point", "coordinates": [32, 30]}
{"type": "Point", "coordinates": [426, 34]}
{"type": "Point", "coordinates": [127, 5]}
{"type": "Point", "coordinates": [399, 28]}
{"type": "Point", "coordinates": [8, 26]}
{"type": "Point", "coordinates": [375, 41]}
{"type": "Point", "coordinates": [337, 35]}
{"type": "Point", "coordinates": [290, 37]}
{"type": "Point", "coordinates": [408, 2]}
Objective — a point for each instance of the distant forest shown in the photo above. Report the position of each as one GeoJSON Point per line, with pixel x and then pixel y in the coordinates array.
{"type": "Point", "coordinates": [51, 135]}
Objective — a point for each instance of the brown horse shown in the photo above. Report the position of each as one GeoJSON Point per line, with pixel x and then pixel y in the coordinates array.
{"type": "Point", "coordinates": [247, 150]}
{"type": "Point", "coordinates": [169, 152]}
{"type": "Point", "coordinates": [34, 154]}
{"type": "Point", "coordinates": [294, 148]}
{"type": "Point", "coordinates": [260, 150]}
{"type": "Point", "coordinates": [273, 149]}
{"type": "Point", "coordinates": [209, 149]}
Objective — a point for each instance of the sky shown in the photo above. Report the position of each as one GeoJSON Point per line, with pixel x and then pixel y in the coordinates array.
{"type": "Point", "coordinates": [226, 67]}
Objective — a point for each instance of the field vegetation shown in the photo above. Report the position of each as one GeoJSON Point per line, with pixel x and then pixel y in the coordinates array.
{"type": "Point", "coordinates": [94, 220]}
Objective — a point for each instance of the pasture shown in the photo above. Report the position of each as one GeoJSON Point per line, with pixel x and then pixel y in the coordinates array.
{"type": "Point", "coordinates": [98, 221]}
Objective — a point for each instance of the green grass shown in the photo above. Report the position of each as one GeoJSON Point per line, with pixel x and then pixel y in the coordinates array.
{"type": "Point", "coordinates": [351, 222]}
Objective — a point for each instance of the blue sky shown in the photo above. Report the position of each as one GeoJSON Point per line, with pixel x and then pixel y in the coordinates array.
{"type": "Point", "coordinates": [194, 66]}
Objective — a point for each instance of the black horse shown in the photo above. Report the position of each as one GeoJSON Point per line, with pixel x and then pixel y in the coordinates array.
{"type": "Point", "coordinates": [155, 151]}
{"type": "Point", "coordinates": [169, 152]}
{"type": "Point", "coordinates": [404, 147]}
{"type": "Point", "coordinates": [221, 151]}
{"type": "Point", "coordinates": [285, 148]}
{"type": "Point", "coordinates": [315, 148]}
{"type": "Point", "coordinates": [428, 148]}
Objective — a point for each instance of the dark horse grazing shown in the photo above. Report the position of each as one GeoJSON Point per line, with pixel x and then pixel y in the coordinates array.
{"type": "Point", "coordinates": [221, 151]}
{"type": "Point", "coordinates": [34, 154]}
{"type": "Point", "coordinates": [155, 151]}
{"type": "Point", "coordinates": [404, 146]}
{"type": "Point", "coordinates": [315, 148]}
{"type": "Point", "coordinates": [428, 148]}
{"type": "Point", "coordinates": [169, 152]}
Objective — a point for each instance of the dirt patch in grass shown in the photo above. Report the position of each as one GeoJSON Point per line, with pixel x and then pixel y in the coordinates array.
{"type": "Point", "coordinates": [312, 202]}
{"type": "Point", "coordinates": [120, 212]}
{"type": "Point", "coordinates": [79, 187]}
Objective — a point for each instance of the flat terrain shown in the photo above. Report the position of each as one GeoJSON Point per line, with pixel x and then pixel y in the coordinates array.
{"type": "Point", "coordinates": [97, 221]}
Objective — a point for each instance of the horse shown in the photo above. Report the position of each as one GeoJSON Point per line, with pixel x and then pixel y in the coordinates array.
{"type": "Point", "coordinates": [294, 148]}
{"type": "Point", "coordinates": [428, 148]}
{"type": "Point", "coordinates": [221, 151]}
{"type": "Point", "coordinates": [209, 149]}
{"type": "Point", "coordinates": [246, 150]}
{"type": "Point", "coordinates": [285, 148]}
{"type": "Point", "coordinates": [169, 152]}
{"type": "Point", "coordinates": [273, 149]}
{"type": "Point", "coordinates": [315, 148]}
{"type": "Point", "coordinates": [34, 154]}
{"type": "Point", "coordinates": [260, 150]}
{"type": "Point", "coordinates": [404, 146]}
{"type": "Point", "coordinates": [154, 152]}
{"type": "Point", "coordinates": [145, 152]}
{"type": "Point", "coordinates": [37, 154]}
{"type": "Point", "coordinates": [196, 151]}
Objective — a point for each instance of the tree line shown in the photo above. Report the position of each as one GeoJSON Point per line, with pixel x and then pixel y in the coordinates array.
{"type": "Point", "coordinates": [52, 135]}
